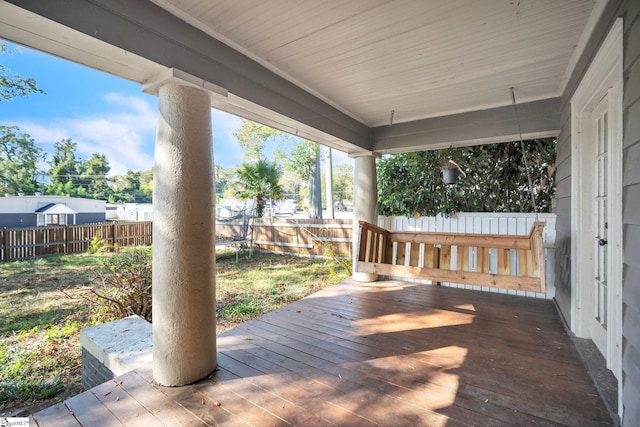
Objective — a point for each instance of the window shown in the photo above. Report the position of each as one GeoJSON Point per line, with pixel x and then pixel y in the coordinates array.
{"type": "Point", "coordinates": [56, 219]}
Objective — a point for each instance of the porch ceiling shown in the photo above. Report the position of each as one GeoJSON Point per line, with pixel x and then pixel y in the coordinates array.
{"type": "Point", "coordinates": [423, 58]}
{"type": "Point", "coordinates": [355, 61]}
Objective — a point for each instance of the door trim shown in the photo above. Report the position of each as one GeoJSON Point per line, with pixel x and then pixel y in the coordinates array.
{"type": "Point", "coordinates": [603, 78]}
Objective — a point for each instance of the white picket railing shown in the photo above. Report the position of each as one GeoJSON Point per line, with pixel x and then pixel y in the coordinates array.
{"type": "Point", "coordinates": [484, 223]}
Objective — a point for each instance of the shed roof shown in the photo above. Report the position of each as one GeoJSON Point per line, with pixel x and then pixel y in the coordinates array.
{"type": "Point", "coordinates": [56, 208]}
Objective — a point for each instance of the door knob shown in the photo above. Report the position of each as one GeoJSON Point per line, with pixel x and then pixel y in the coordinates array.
{"type": "Point", "coordinates": [602, 242]}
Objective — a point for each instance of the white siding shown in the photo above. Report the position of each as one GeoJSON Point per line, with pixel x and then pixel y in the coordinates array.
{"type": "Point", "coordinates": [29, 204]}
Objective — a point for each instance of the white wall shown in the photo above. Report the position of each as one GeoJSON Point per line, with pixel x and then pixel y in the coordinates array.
{"type": "Point", "coordinates": [134, 212]}
{"type": "Point", "coordinates": [29, 204]}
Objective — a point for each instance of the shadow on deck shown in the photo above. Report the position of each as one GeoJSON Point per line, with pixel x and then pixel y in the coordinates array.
{"type": "Point", "coordinates": [385, 353]}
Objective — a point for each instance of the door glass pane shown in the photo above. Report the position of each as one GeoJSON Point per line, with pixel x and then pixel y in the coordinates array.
{"type": "Point", "coordinates": [605, 133]}
{"type": "Point", "coordinates": [599, 137]}
{"type": "Point", "coordinates": [600, 220]}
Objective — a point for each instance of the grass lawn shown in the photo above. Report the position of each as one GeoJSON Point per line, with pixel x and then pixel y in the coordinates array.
{"type": "Point", "coordinates": [40, 359]}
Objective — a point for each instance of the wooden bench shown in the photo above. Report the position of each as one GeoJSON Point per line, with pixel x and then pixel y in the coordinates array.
{"type": "Point", "coordinates": [493, 260]}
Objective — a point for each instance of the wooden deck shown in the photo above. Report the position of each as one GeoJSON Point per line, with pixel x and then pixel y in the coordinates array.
{"type": "Point", "coordinates": [381, 354]}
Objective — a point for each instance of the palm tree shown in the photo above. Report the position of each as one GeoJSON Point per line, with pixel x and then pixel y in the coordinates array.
{"type": "Point", "coordinates": [259, 181]}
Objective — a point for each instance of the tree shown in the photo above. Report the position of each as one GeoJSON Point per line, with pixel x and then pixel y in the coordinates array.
{"type": "Point", "coordinates": [19, 155]}
{"type": "Point", "coordinates": [304, 160]}
{"type": "Point", "coordinates": [224, 178]}
{"type": "Point", "coordinates": [129, 188]}
{"type": "Point", "coordinates": [259, 181]}
{"type": "Point", "coordinates": [496, 180]}
{"type": "Point", "coordinates": [252, 138]}
{"type": "Point", "coordinates": [19, 158]}
{"type": "Point", "coordinates": [343, 182]}
{"type": "Point", "coordinates": [146, 184]}
{"type": "Point", "coordinates": [291, 186]}
{"type": "Point", "coordinates": [72, 176]}
{"type": "Point", "coordinates": [94, 177]}
{"type": "Point", "coordinates": [65, 169]}
{"type": "Point", "coordinates": [315, 188]}
{"type": "Point", "coordinates": [13, 85]}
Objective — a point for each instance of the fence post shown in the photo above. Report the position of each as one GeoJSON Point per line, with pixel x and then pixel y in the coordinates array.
{"type": "Point", "coordinates": [66, 238]}
{"type": "Point", "coordinates": [114, 233]}
{"type": "Point", "coordinates": [5, 254]}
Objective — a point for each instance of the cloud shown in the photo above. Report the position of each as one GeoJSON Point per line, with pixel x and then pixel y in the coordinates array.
{"type": "Point", "coordinates": [140, 106]}
{"type": "Point", "coordinates": [125, 132]}
{"type": "Point", "coordinates": [341, 158]}
{"type": "Point", "coordinates": [43, 134]}
{"type": "Point", "coordinates": [227, 151]}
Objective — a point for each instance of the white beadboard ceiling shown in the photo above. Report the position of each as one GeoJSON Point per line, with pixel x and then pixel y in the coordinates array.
{"type": "Point", "coordinates": [422, 58]}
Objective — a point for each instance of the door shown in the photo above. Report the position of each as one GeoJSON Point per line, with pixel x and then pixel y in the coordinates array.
{"type": "Point", "coordinates": [600, 189]}
{"type": "Point", "coordinates": [599, 232]}
{"type": "Point", "coordinates": [596, 203]}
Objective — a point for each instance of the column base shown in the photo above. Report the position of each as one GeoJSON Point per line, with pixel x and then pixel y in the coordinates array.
{"type": "Point", "coordinates": [365, 277]}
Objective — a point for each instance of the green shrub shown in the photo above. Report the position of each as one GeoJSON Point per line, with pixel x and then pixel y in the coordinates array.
{"type": "Point", "coordinates": [97, 244]}
{"type": "Point", "coordinates": [124, 284]}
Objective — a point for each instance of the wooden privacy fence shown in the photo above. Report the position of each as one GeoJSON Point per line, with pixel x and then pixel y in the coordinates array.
{"type": "Point", "coordinates": [315, 237]}
{"type": "Point", "coordinates": [22, 243]}
{"type": "Point", "coordinates": [493, 260]}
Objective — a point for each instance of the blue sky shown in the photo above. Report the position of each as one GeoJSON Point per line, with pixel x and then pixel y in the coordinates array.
{"type": "Point", "coordinates": [100, 112]}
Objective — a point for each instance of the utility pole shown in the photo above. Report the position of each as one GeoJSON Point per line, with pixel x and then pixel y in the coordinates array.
{"type": "Point", "coordinates": [328, 171]}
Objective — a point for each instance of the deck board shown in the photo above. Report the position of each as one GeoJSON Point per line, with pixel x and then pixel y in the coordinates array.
{"type": "Point", "coordinates": [57, 415]}
{"type": "Point", "coordinates": [285, 386]}
{"type": "Point", "coordinates": [89, 411]}
{"type": "Point", "coordinates": [386, 353]}
{"type": "Point", "coordinates": [124, 406]}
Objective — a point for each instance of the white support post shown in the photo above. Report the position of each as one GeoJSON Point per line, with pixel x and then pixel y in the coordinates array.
{"type": "Point", "coordinates": [184, 330]}
{"type": "Point", "coordinates": [365, 205]}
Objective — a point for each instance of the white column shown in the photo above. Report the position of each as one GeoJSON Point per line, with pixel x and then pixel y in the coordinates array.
{"type": "Point", "coordinates": [365, 205]}
{"type": "Point", "coordinates": [184, 331]}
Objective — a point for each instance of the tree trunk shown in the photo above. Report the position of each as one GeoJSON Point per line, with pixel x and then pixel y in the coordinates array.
{"type": "Point", "coordinates": [315, 190]}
